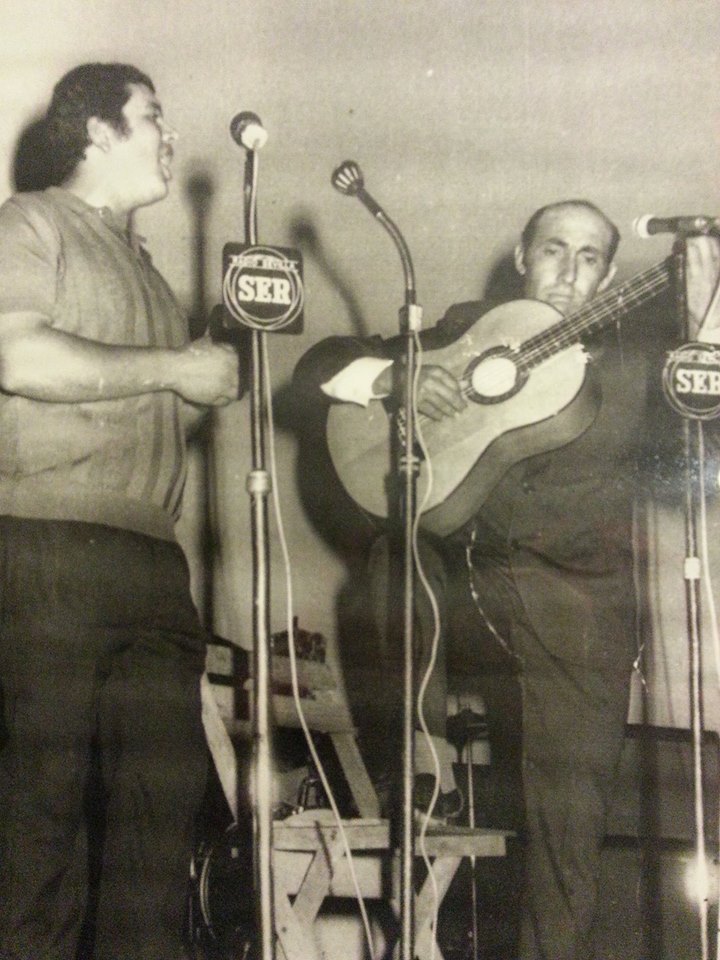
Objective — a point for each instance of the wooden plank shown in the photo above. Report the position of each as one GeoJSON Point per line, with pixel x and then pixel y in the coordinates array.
{"type": "Point", "coordinates": [356, 774]}
{"type": "Point", "coordinates": [320, 716]}
{"type": "Point", "coordinates": [220, 745]}
{"type": "Point", "coordinates": [316, 886]}
{"type": "Point", "coordinates": [362, 834]}
{"type": "Point", "coordinates": [426, 901]}
{"type": "Point", "coordinates": [465, 842]}
{"type": "Point", "coordinates": [367, 864]}
{"type": "Point", "coordinates": [324, 715]}
{"type": "Point", "coordinates": [313, 675]}
{"type": "Point", "coordinates": [297, 942]}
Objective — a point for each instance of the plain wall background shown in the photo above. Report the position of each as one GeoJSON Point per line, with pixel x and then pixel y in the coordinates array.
{"type": "Point", "coordinates": [465, 115]}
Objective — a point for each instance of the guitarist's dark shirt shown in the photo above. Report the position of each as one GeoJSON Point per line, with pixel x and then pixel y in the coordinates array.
{"type": "Point", "coordinates": [549, 595]}
{"type": "Point", "coordinates": [561, 522]}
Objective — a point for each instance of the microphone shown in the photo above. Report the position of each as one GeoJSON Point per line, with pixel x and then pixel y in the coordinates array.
{"type": "Point", "coordinates": [348, 179]}
{"type": "Point", "coordinates": [247, 130]}
{"type": "Point", "coordinates": [648, 225]}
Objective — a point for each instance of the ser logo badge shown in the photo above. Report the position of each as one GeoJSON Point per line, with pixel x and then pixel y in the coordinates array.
{"type": "Point", "coordinates": [691, 380]}
{"type": "Point", "coordinates": [263, 287]}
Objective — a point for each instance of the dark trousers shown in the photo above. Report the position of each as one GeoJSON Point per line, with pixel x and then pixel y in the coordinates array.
{"type": "Point", "coordinates": [562, 720]}
{"type": "Point", "coordinates": [101, 653]}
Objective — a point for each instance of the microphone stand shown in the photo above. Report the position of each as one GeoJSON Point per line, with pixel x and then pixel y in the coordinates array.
{"type": "Point", "coordinates": [692, 440]}
{"type": "Point", "coordinates": [408, 470]}
{"type": "Point", "coordinates": [348, 179]}
{"type": "Point", "coordinates": [258, 487]}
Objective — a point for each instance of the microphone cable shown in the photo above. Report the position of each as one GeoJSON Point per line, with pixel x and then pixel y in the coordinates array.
{"type": "Point", "coordinates": [434, 646]}
{"type": "Point", "coordinates": [293, 659]}
{"type": "Point", "coordinates": [709, 594]}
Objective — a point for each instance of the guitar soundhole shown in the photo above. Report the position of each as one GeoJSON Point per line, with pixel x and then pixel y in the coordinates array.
{"type": "Point", "coordinates": [494, 376]}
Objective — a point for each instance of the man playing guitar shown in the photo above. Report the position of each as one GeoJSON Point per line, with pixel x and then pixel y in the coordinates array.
{"type": "Point", "coordinates": [535, 582]}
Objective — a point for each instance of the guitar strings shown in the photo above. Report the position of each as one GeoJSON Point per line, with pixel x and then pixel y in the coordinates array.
{"type": "Point", "coordinates": [566, 332]}
{"type": "Point", "coordinates": [600, 311]}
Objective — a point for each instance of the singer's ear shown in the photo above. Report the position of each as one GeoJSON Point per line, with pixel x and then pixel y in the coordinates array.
{"type": "Point", "coordinates": [98, 133]}
{"type": "Point", "coordinates": [520, 259]}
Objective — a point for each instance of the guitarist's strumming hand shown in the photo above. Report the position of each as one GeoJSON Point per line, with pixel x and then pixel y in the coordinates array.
{"type": "Point", "coordinates": [438, 392]}
{"type": "Point", "coordinates": [703, 295]}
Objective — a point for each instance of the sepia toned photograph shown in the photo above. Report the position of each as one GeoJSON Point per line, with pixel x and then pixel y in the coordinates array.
{"type": "Point", "coordinates": [359, 480]}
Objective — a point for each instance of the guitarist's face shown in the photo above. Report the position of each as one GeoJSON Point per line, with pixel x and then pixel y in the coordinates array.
{"type": "Point", "coordinates": [567, 260]}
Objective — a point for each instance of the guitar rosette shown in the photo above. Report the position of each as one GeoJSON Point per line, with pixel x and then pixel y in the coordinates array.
{"type": "Point", "coordinates": [691, 380]}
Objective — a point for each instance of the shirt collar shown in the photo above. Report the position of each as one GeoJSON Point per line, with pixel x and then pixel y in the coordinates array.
{"type": "Point", "coordinates": [125, 231]}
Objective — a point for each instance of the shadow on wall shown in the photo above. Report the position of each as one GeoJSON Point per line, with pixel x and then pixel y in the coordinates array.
{"type": "Point", "coordinates": [333, 514]}
{"type": "Point", "coordinates": [504, 282]}
{"type": "Point", "coordinates": [305, 236]}
{"type": "Point", "coordinates": [199, 189]}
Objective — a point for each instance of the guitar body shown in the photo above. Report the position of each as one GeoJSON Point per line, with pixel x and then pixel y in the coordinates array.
{"type": "Point", "coordinates": [513, 412]}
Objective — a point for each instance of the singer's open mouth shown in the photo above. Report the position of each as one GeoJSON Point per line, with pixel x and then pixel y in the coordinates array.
{"type": "Point", "coordinates": [165, 161]}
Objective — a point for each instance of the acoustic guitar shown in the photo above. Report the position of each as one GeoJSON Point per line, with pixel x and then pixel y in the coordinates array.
{"type": "Point", "coordinates": [521, 367]}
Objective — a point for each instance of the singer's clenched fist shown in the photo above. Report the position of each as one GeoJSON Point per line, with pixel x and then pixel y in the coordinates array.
{"type": "Point", "coordinates": [207, 373]}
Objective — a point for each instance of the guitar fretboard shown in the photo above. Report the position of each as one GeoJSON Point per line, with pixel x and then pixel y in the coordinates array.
{"type": "Point", "coordinates": [602, 311]}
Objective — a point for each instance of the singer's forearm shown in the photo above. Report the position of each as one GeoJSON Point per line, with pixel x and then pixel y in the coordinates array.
{"type": "Point", "coordinates": [42, 363]}
{"type": "Point", "coordinates": [48, 364]}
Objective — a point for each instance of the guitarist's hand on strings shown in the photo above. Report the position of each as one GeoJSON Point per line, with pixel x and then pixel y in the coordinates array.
{"type": "Point", "coordinates": [439, 393]}
{"type": "Point", "coordinates": [703, 291]}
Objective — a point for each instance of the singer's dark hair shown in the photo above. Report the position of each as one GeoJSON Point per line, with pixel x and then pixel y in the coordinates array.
{"type": "Point", "coordinates": [91, 90]}
{"type": "Point", "coordinates": [528, 234]}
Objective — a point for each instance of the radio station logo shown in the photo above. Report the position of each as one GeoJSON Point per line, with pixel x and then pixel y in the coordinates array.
{"type": "Point", "coordinates": [263, 287]}
{"type": "Point", "coordinates": [691, 380]}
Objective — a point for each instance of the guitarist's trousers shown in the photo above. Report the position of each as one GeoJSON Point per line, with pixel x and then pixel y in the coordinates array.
{"type": "Point", "coordinates": [556, 726]}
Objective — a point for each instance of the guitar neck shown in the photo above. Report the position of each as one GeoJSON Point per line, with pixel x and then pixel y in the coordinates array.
{"type": "Point", "coordinates": [602, 311]}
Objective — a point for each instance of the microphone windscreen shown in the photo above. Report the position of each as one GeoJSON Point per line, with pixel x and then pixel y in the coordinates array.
{"type": "Point", "coordinates": [347, 178]}
{"type": "Point", "coordinates": [640, 226]}
{"type": "Point", "coordinates": [247, 130]}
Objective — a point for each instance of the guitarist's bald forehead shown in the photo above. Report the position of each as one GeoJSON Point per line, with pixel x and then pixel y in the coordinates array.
{"type": "Point", "coordinates": [532, 227]}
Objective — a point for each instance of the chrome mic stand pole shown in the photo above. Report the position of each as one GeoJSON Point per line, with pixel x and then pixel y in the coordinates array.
{"type": "Point", "coordinates": [258, 487]}
{"type": "Point", "coordinates": [692, 572]}
{"type": "Point", "coordinates": [691, 353]}
{"type": "Point", "coordinates": [348, 179]}
{"type": "Point", "coordinates": [692, 362]}
{"type": "Point", "coordinates": [409, 468]}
